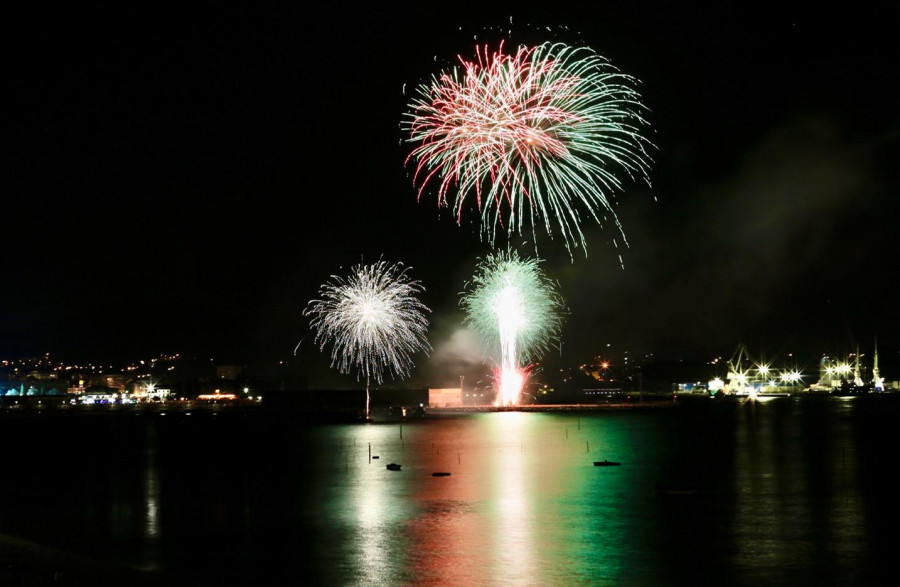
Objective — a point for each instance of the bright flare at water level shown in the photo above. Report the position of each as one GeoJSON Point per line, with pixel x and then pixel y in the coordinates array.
{"type": "Point", "coordinates": [518, 312]}
{"type": "Point", "coordinates": [544, 135]}
{"type": "Point", "coordinates": [510, 312]}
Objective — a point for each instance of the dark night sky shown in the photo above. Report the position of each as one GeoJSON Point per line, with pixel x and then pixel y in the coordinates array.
{"type": "Point", "coordinates": [185, 180]}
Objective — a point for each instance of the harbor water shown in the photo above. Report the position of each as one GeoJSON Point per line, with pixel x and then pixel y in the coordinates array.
{"type": "Point", "coordinates": [778, 491]}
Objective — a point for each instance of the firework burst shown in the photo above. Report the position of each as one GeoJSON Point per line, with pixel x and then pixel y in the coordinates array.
{"type": "Point", "coordinates": [539, 136]}
{"type": "Point", "coordinates": [518, 312]}
{"type": "Point", "coordinates": [373, 320]}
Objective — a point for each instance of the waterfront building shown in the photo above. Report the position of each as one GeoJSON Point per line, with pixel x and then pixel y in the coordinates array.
{"type": "Point", "coordinates": [445, 397]}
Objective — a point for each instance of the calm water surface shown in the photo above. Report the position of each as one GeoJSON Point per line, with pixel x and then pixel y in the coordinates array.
{"type": "Point", "coordinates": [789, 491]}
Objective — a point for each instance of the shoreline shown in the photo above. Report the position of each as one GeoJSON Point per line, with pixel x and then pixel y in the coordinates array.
{"type": "Point", "coordinates": [634, 405]}
{"type": "Point", "coordinates": [346, 413]}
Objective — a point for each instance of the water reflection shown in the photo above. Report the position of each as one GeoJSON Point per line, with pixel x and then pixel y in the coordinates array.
{"type": "Point", "coordinates": [523, 503]}
{"type": "Point", "coordinates": [371, 507]}
{"type": "Point", "coordinates": [151, 486]}
{"type": "Point", "coordinates": [509, 523]}
{"type": "Point", "coordinates": [795, 483]}
{"type": "Point", "coordinates": [149, 509]}
{"type": "Point", "coordinates": [725, 492]}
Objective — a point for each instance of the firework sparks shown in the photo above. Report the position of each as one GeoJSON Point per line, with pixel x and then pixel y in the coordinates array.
{"type": "Point", "coordinates": [373, 320]}
{"type": "Point", "coordinates": [540, 136]}
{"type": "Point", "coordinates": [515, 307]}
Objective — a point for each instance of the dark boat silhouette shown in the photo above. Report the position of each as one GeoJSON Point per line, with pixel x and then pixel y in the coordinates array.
{"type": "Point", "coordinates": [605, 463]}
{"type": "Point", "coordinates": [440, 474]}
{"type": "Point", "coordinates": [393, 467]}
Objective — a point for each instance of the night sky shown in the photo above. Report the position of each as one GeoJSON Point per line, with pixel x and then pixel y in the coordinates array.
{"type": "Point", "coordinates": [185, 180]}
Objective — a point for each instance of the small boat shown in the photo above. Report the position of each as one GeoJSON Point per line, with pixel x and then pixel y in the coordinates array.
{"type": "Point", "coordinates": [440, 474]}
{"type": "Point", "coordinates": [393, 467]}
{"type": "Point", "coordinates": [376, 457]}
{"type": "Point", "coordinates": [605, 463]}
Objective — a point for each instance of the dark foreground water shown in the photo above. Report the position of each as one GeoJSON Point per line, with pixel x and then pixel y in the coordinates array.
{"type": "Point", "coordinates": [789, 491]}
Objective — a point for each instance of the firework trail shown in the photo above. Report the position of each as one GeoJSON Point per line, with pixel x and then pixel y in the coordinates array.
{"type": "Point", "coordinates": [518, 312]}
{"type": "Point", "coordinates": [539, 136]}
{"type": "Point", "coordinates": [372, 319]}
